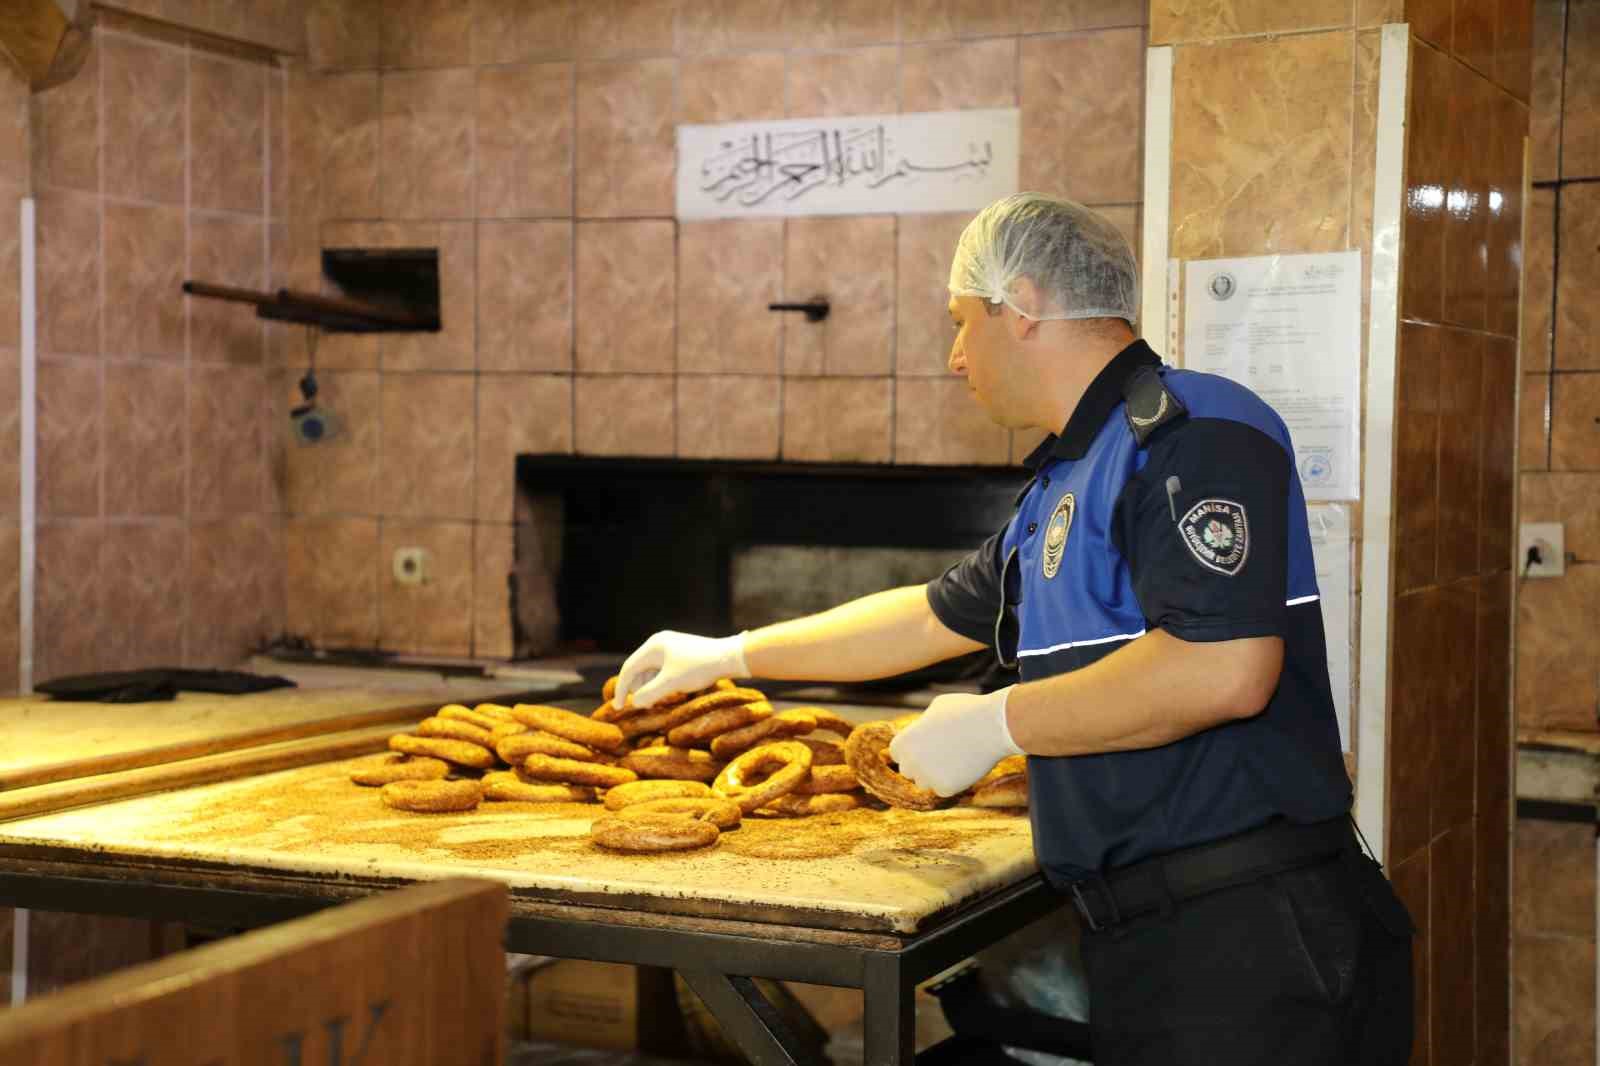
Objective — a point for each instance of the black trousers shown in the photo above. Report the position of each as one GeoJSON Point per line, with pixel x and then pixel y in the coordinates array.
{"type": "Point", "coordinates": [1308, 967]}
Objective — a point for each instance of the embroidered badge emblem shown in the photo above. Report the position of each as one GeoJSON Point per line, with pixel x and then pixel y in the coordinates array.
{"type": "Point", "coordinates": [1217, 534]}
{"type": "Point", "coordinates": [1055, 534]}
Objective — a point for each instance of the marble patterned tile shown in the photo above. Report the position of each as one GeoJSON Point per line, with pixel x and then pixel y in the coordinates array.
{"type": "Point", "coordinates": [1544, 93]}
{"type": "Point", "coordinates": [730, 26]}
{"type": "Point", "coordinates": [1571, 499]}
{"type": "Point", "coordinates": [838, 420]}
{"type": "Point", "coordinates": [1364, 146]}
{"type": "Point", "coordinates": [524, 31]}
{"type": "Point", "coordinates": [850, 260]}
{"type": "Point", "coordinates": [839, 23]}
{"type": "Point", "coordinates": [493, 570]}
{"type": "Point", "coordinates": [1554, 888]}
{"type": "Point", "coordinates": [1465, 279]}
{"type": "Point", "coordinates": [1172, 21]}
{"type": "Point", "coordinates": [1420, 655]}
{"type": "Point", "coordinates": [1574, 424]}
{"type": "Point", "coordinates": [10, 640]}
{"type": "Point", "coordinates": [1580, 101]}
{"type": "Point", "coordinates": [70, 418]}
{"type": "Point", "coordinates": [1089, 152]}
{"type": "Point", "coordinates": [361, 351]}
{"type": "Point", "coordinates": [525, 140]}
{"type": "Point", "coordinates": [851, 81]}
{"type": "Point", "coordinates": [68, 592]}
{"type": "Point", "coordinates": [626, 293]}
{"type": "Point", "coordinates": [145, 464]}
{"type": "Point", "coordinates": [1460, 454]}
{"type": "Point", "coordinates": [949, 75]}
{"type": "Point", "coordinates": [142, 594]}
{"type": "Point", "coordinates": [143, 90]}
{"type": "Point", "coordinates": [453, 347]}
{"type": "Point", "coordinates": [1553, 996]}
{"type": "Point", "coordinates": [1533, 423]}
{"type": "Point", "coordinates": [340, 474]}
{"type": "Point", "coordinates": [1577, 347]}
{"type": "Point", "coordinates": [1556, 677]}
{"type": "Point", "coordinates": [427, 149]}
{"type": "Point", "coordinates": [343, 34]}
{"type": "Point", "coordinates": [925, 245]}
{"type": "Point", "coordinates": [434, 617]}
{"type": "Point", "coordinates": [1062, 16]}
{"type": "Point", "coordinates": [10, 437]}
{"type": "Point", "coordinates": [1417, 416]}
{"type": "Point", "coordinates": [1370, 13]}
{"type": "Point", "coordinates": [626, 414]}
{"type": "Point", "coordinates": [63, 131]}
{"type": "Point", "coordinates": [517, 414]}
{"type": "Point", "coordinates": [1505, 222]}
{"type": "Point", "coordinates": [224, 250]}
{"type": "Point", "coordinates": [731, 88]}
{"type": "Point", "coordinates": [10, 265]}
{"type": "Point", "coordinates": [68, 273]}
{"type": "Point", "coordinates": [626, 153]}
{"type": "Point", "coordinates": [348, 130]}
{"type": "Point", "coordinates": [1513, 46]}
{"type": "Point", "coordinates": [228, 102]}
{"type": "Point", "coordinates": [925, 20]}
{"type": "Point", "coordinates": [609, 28]}
{"type": "Point", "coordinates": [1428, 181]}
{"type": "Point", "coordinates": [936, 422]}
{"type": "Point", "coordinates": [728, 271]}
{"type": "Point", "coordinates": [426, 456]}
{"type": "Point", "coordinates": [1261, 146]}
{"type": "Point", "coordinates": [425, 33]}
{"type": "Point", "coordinates": [1454, 724]}
{"type": "Point", "coordinates": [331, 581]}
{"type": "Point", "coordinates": [1498, 407]}
{"type": "Point", "coordinates": [227, 445]}
{"type": "Point", "coordinates": [524, 296]}
{"type": "Point", "coordinates": [1538, 279]}
{"type": "Point", "coordinates": [1496, 723]}
{"type": "Point", "coordinates": [145, 307]}
{"type": "Point", "coordinates": [235, 588]}
{"type": "Point", "coordinates": [277, 146]}
{"type": "Point", "coordinates": [15, 123]}
{"type": "Point", "coordinates": [728, 416]}
{"type": "Point", "coordinates": [1451, 945]}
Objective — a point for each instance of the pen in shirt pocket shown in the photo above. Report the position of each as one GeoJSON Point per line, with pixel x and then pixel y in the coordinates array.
{"type": "Point", "coordinates": [1174, 486]}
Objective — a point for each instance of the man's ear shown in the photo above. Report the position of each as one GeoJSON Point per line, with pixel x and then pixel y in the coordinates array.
{"type": "Point", "coordinates": [1024, 294]}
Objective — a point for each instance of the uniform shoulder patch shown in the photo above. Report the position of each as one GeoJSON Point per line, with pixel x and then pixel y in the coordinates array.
{"type": "Point", "coordinates": [1217, 534]}
{"type": "Point", "coordinates": [1149, 404]}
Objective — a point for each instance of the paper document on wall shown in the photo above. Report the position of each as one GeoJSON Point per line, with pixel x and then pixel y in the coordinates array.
{"type": "Point", "coordinates": [1289, 328]}
{"type": "Point", "coordinates": [863, 164]}
{"type": "Point", "coordinates": [1334, 562]}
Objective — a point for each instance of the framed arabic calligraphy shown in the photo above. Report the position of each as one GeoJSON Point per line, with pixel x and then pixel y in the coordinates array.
{"type": "Point", "coordinates": [867, 164]}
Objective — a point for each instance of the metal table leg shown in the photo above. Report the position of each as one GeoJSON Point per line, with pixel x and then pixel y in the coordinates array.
{"type": "Point", "coordinates": [747, 1018]}
{"type": "Point", "coordinates": [890, 1030]}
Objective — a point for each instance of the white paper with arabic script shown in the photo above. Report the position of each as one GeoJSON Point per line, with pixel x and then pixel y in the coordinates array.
{"type": "Point", "coordinates": [860, 165]}
{"type": "Point", "coordinates": [1334, 562]}
{"type": "Point", "coordinates": [1289, 328]}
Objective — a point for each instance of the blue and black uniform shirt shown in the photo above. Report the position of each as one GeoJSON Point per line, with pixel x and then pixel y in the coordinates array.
{"type": "Point", "coordinates": [1170, 501]}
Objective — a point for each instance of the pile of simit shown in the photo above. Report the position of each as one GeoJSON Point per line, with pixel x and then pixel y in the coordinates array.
{"type": "Point", "coordinates": [673, 776]}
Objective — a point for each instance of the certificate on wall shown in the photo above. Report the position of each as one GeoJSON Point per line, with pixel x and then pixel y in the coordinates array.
{"type": "Point", "coordinates": [1334, 561]}
{"type": "Point", "coordinates": [1289, 328]}
{"type": "Point", "coordinates": [865, 164]}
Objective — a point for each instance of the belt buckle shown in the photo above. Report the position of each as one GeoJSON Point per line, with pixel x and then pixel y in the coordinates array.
{"type": "Point", "coordinates": [1082, 904]}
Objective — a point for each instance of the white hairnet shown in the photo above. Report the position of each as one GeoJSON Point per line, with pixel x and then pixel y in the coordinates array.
{"type": "Point", "coordinates": [1079, 262]}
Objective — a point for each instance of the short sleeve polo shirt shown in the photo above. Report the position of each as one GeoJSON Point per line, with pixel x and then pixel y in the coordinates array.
{"type": "Point", "coordinates": [1197, 527]}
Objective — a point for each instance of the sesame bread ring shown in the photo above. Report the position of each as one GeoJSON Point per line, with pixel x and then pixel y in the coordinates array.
{"type": "Point", "coordinates": [828, 779]}
{"type": "Point", "coordinates": [825, 751]}
{"type": "Point", "coordinates": [657, 832]}
{"type": "Point", "coordinates": [461, 714]}
{"type": "Point", "coordinates": [573, 772]}
{"type": "Point", "coordinates": [724, 814]}
{"type": "Point", "coordinates": [666, 716]}
{"type": "Point", "coordinates": [512, 785]}
{"type": "Point", "coordinates": [495, 710]}
{"type": "Point", "coordinates": [460, 752]}
{"type": "Point", "coordinates": [784, 763]}
{"type": "Point", "coordinates": [507, 729]}
{"type": "Point", "coordinates": [1011, 764]}
{"type": "Point", "coordinates": [432, 797]}
{"type": "Point", "coordinates": [795, 805]}
{"type": "Point", "coordinates": [401, 768]}
{"type": "Point", "coordinates": [677, 764]}
{"type": "Point", "coordinates": [570, 726]}
{"type": "Point", "coordinates": [519, 746]}
{"type": "Point", "coordinates": [867, 752]}
{"type": "Point", "coordinates": [643, 791]}
{"type": "Point", "coordinates": [777, 727]}
{"type": "Point", "coordinates": [454, 729]}
{"type": "Point", "coordinates": [1008, 791]}
{"type": "Point", "coordinates": [714, 723]}
{"type": "Point", "coordinates": [830, 722]}
{"type": "Point", "coordinates": [608, 691]}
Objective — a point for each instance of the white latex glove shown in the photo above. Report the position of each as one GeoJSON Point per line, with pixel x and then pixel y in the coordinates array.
{"type": "Point", "coordinates": [678, 662]}
{"type": "Point", "coordinates": [957, 740]}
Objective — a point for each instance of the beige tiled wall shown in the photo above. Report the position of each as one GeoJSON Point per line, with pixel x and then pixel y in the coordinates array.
{"type": "Point", "coordinates": [158, 538]}
{"type": "Point", "coordinates": [14, 180]}
{"type": "Point", "coordinates": [534, 144]}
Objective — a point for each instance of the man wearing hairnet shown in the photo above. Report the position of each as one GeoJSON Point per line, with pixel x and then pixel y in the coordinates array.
{"type": "Point", "coordinates": [1155, 590]}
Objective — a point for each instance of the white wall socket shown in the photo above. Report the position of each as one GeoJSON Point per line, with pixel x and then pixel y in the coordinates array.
{"type": "Point", "coordinates": [411, 566]}
{"type": "Point", "coordinates": [1547, 538]}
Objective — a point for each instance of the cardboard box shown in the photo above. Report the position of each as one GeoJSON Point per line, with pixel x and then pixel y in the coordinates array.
{"type": "Point", "coordinates": [585, 1004]}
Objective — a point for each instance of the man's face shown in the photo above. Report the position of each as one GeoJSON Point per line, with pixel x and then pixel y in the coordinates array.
{"type": "Point", "coordinates": [980, 354]}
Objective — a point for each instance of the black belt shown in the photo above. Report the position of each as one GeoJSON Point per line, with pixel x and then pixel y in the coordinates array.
{"type": "Point", "coordinates": [1159, 882]}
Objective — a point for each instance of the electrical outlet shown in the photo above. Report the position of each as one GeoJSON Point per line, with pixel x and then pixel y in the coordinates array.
{"type": "Point", "coordinates": [411, 566]}
{"type": "Point", "coordinates": [1547, 539]}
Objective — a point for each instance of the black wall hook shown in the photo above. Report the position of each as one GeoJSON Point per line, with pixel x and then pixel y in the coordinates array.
{"type": "Point", "coordinates": [816, 309]}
